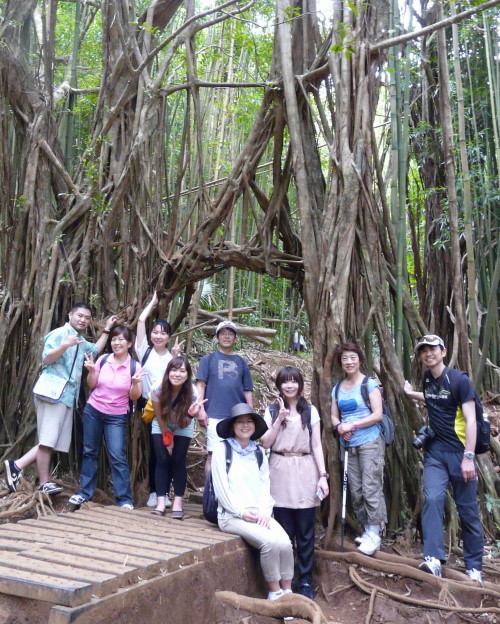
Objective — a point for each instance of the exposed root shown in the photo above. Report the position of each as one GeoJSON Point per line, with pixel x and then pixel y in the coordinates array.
{"type": "Point", "coordinates": [402, 569]}
{"type": "Point", "coordinates": [288, 605]}
{"type": "Point", "coordinates": [368, 588]}
{"type": "Point", "coordinates": [22, 502]}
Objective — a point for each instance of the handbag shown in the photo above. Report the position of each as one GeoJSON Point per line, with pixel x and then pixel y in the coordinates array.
{"type": "Point", "coordinates": [148, 412]}
{"type": "Point", "coordinates": [49, 387]}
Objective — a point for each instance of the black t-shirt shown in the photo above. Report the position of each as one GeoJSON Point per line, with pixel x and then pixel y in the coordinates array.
{"type": "Point", "coordinates": [445, 411]}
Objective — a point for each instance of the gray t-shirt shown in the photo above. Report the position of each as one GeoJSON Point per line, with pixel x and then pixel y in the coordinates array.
{"type": "Point", "coordinates": [227, 378]}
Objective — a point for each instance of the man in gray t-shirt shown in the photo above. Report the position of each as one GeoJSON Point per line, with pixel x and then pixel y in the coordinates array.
{"type": "Point", "coordinates": [223, 379]}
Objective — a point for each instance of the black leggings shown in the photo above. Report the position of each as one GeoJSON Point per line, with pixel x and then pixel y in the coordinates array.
{"type": "Point", "coordinates": [299, 525]}
{"type": "Point", "coordinates": [171, 467]}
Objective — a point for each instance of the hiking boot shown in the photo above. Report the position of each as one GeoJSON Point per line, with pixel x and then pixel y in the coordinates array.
{"type": "Point", "coordinates": [474, 575]}
{"type": "Point", "coordinates": [431, 565]}
{"type": "Point", "coordinates": [12, 474]}
{"type": "Point", "coordinates": [370, 544]}
{"type": "Point", "coordinates": [127, 506]}
{"type": "Point", "coordinates": [76, 501]}
{"type": "Point", "coordinates": [50, 488]}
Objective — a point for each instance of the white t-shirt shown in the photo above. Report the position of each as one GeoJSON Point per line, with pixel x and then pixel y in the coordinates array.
{"type": "Point", "coordinates": [155, 366]}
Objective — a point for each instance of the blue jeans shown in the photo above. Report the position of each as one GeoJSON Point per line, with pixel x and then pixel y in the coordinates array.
{"type": "Point", "coordinates": [440, 469]}
{"type": "Point", "coordinates": [114, 427]}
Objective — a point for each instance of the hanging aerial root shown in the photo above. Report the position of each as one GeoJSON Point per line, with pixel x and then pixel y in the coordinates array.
{"type": "Point", "coordinates": [368, 588]}
{"type": "Point", "coordinates": [391, 566]}
{"type": "Point", "coordinates": [288, 605]}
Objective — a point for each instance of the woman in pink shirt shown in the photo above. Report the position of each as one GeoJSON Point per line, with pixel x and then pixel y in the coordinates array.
{"type": "Point", "coordinates": [115, 380]}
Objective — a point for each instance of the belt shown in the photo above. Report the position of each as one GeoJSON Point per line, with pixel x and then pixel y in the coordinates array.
{"type": "Point", "coordinates": [290, 454]}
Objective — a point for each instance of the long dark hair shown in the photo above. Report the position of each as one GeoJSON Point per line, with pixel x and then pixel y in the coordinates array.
{"type": "Point", "coordinates": [174, 411]}
{"type": "Point", "coordinates": [290, 373]}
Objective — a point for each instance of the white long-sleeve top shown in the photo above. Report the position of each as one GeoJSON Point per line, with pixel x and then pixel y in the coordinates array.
{"type": "Point", "coordinates": [244, 486]}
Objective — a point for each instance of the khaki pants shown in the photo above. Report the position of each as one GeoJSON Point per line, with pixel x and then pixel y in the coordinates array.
{"type": "Point", "coordinates": [365, 477]}
{"type": "Point", "coordinates": [276, 555]}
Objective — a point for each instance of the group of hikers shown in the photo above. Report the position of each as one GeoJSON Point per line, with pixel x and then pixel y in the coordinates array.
{"type": "Point", "coordinates": [269, 499]}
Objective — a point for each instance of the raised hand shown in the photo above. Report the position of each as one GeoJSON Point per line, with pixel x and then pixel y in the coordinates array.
{"type": "Point", "coordinates": [89, 362]}
{"type": "Point", "coordinates": [71, 340]}
{"type": "Point", "coordinates": [176, 349]}
{"type": "Point", "coordinates": [137, 378]}
{"type": "Point", "coordinates": [111, 322]}
{"type": "Point", "coordinates": [195, 407]}
{"type": "Point", "coordinates": [283, 411]}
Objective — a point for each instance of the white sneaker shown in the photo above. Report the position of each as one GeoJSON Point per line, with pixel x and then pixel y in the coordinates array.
{"type": "Point", "coordinates": [275, 595]}
{"type": "Point", "coordinates": [474, 575]}
{"type": "Point", "coordinates": [431, 565]}
{"type": "Point", "coordinates": [152, 500]}
{"type": "Point", "coordinates": [361, 537]}
{"type": "Point", "coordinates": [370, 544]}
{"type": "Point", "coordinates": [168, 502]}
{"type": "Point", "coordinates": [127, 506]}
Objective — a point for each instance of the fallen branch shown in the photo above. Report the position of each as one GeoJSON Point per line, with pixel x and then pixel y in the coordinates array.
{"type": "Point", "coordinates": [288, 605]}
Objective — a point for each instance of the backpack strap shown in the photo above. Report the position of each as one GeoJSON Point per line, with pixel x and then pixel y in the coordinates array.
{"type": "Point", "coordinates": [229, 455]}
{"type": "Point", "coordinates": [104, 359]}
{"type": "Point", "coordinates": [147, 353]}
{"type": "Point", "coordinates": [364, 393]}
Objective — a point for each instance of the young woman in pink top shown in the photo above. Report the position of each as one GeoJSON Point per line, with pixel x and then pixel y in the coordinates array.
{"type": "Point", "coordinates": [107, 410]}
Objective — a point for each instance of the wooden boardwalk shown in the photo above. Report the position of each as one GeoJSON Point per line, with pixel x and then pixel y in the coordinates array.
{"type": "Point", "coordinates": [71, 559]}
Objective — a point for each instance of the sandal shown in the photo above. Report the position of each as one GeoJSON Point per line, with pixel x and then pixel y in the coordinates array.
{"type": "Point", "coordinates": [158, 512]}
{"type": "Point", "coordinates": [177, 514]}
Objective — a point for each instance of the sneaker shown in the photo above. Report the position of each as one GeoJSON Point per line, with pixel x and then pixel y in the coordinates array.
{"type": "Point", "coordinates": [168, 502]}
{"type": "Point", "coordinates": [370, 544]}
{"type": "Point", "coordinates": [431, 565]}
{"type": "Point", "coordinates": [152, 500]}
{"type": "Point", "coordinates": [50, 488]}
{"type": "Point", "coordinates": [127, 506]}
{"type": "Point", "coordinates": [361, 537]}
{"type": "Point", "coordinates": [474, 575]}
{"type": "Point", "coordinates": [275, 595]}
{"type": "Point", "coordinates": [305, 589]}
{"type": "Point", "coordinates": [76, 501]}
{"type": "Point", "coordinates": [12, 474]}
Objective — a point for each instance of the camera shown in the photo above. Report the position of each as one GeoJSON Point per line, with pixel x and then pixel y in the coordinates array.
{"type": "Point", "coordinates": [423, 434]}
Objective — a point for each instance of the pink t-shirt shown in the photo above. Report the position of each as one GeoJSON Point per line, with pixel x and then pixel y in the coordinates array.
{"type": "Point", "coordinates": [111, 395]}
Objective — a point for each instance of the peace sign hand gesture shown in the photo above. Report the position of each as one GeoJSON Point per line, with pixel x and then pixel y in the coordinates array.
{"type": "Point", "coordinates": [176, 349]}
{"type": "Point", "coordinates": [89, 362]}
{"type": "Point", "coordinates": [283, 411]}
{"type": "Point", "coordinates": [196, 406]}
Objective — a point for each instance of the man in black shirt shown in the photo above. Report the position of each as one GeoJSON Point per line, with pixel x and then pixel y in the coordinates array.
{"type": "Point", "coordinates": [448, 458]}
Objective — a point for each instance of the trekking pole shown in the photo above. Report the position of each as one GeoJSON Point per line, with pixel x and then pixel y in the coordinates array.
{"type": "Point", "coordinates": [344, 497]}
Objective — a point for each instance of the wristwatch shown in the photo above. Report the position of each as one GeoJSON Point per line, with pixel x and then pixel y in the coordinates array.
{"type": "Point", "coordinates": [469, 454]}
{"type": "Point", "coordinates": [324, 474]}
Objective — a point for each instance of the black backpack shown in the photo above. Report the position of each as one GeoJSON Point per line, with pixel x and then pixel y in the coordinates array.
{"type": "Point", "coordinates": [482, 421]}
{"type": "Point", "coordinates": [210, 503]}
{"type": "Point", "coordinates": [386, 425]}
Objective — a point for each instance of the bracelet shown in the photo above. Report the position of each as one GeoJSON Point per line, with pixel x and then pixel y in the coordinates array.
{"type": "Point", "coordinates": [324, 474]}
{"type": "Point", "coordinates": [335, 427]}
{"type": "Point", "coordinates": [355, 427]}
{"type": "Point", "coordinates": [106, 331]}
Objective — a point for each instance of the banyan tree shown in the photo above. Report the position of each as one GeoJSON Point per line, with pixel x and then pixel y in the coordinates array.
{"type": "Point", "coordinates": [154, 144]}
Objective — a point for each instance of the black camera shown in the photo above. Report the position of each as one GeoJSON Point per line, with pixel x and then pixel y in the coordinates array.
{"type": "Point", "coordinates": [423, 434]}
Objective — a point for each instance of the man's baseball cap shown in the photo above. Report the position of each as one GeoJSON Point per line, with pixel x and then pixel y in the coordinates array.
{"type": "Point", "coordinates": [431, 339]}
{"type": "Point", "coordinates": [226, 325]}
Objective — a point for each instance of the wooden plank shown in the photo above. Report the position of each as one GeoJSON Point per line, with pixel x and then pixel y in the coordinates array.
{"type": "Point", "coordinates": [16, 545]}
{"type": "Point", "coordinates": [148, 535]}
{"type": "Point", "coordinates": [126, 574]}
{"type": "Point", "coordinates": [43, 587]}
{"type": "Point", "coordinates": [104, 555]}
{"type": "Point", "coordinates": [102, 584]}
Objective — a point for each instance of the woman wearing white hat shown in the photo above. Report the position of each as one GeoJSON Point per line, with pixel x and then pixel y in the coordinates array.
{"type": "Point", "coordinates": [242, 488]}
